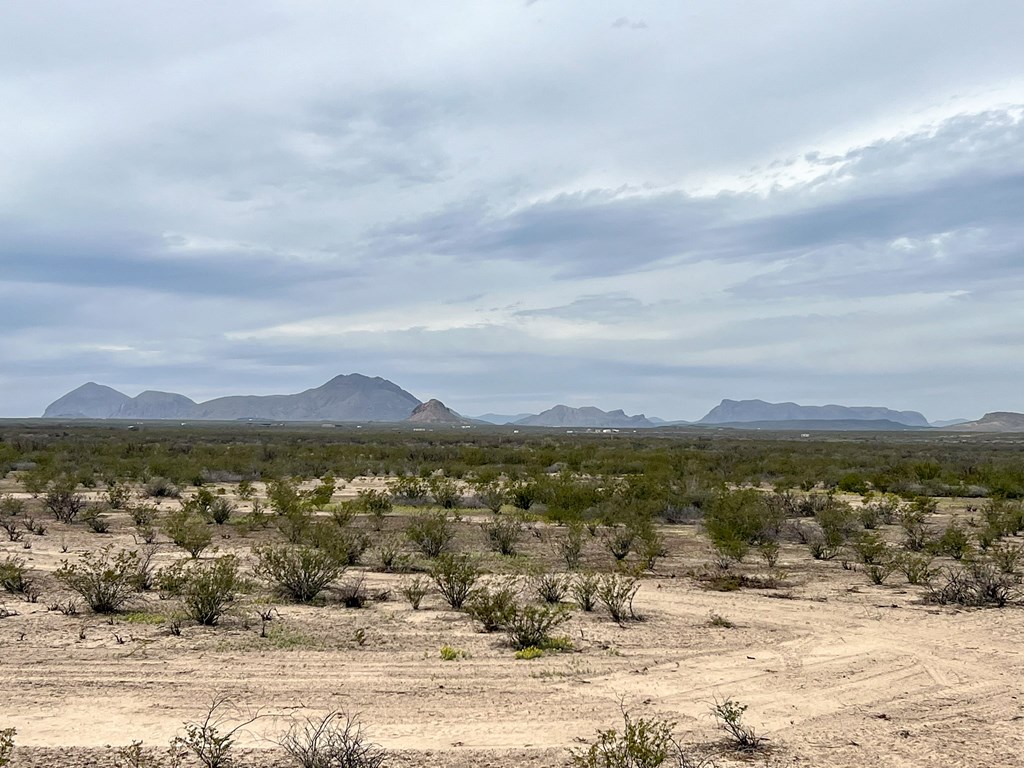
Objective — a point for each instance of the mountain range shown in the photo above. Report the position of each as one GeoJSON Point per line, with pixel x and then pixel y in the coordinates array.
{"type": "Point", "coordinates": [358, 398]}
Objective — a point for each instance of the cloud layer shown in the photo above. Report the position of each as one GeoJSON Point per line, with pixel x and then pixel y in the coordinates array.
{"type": "Point", "coordinates": [508, 205]}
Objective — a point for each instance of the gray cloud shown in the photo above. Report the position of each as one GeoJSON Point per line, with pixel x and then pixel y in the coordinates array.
{"type": "Point", "coordinates": [515, 205]}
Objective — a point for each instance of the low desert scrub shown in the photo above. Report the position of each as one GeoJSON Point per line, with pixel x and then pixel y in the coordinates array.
{"type": "Point", "coordinates": [210, 739]}
{"type": "Point", "coordinates": [978, 584]}
{"type": "Point", "coordinates": [532, 625]}
{"type": "Point", "coordinates": [431, 532]}
{"type": "Point", "coordinates": [717, 620]}
{"type": "Point", "coordinates": [570, 547]}
{"type": "Point", "coordinates": [188, 530]}
{"type": "Point", "coordinates": [743, 737]}
{"type": "Point", "coordinates": [336, 740]}
{"type": "Point", "coordinates": [917, 567]}
{"type": "Point", "coordinates": [584, 590]}
{"type": "Point", "coordinates": [299, 572]}
{"type": "Point", "coordinates": [616, 592]}
{"type": "Point", "coordinates": [444, 491]}
{"type": "Point", "coordinates": [14, 576]}
{"type": "Point", "coordinates": [503, 535]}
{"type": "Point", "coordinates": [414, 590]}
{"type": "Point", "coordinates": [493, 605]}
{"type": "Point", "coordinates": [551, 588]}
{"type": "Point", "coordinates": [451, 653]}
{"type": "Point", "coordinates": [97, 521]}
{"type": "Point", "coordinates": [643, 742]}
{"type": "Point", "coordinates": [105, 581]}
{"type": "Point", "coordinates": [62, 501]}
{"type": "Point", "coordinates": [455, 576]}
{"type": "Point", "coordinates": [6, 745]}
{"type": "Point", "coordinates": [1006, 557]}
{"type": "Point", "coordinates": [209, 588]}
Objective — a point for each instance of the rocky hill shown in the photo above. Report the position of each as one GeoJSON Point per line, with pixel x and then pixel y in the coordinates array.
{"type": "Point", "coordinates": [344, 398]}
{"type": "Point", "coordinates": [748, 411]}
{"type": "Point", "coordinates": [564, 416]}
{"type": "Point", "coordinates": [436, 412]}
{"type": "Point", "coordinates": [997, 421]}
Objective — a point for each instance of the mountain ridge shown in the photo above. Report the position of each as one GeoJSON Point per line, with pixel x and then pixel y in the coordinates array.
{"type": "Point", "coordinates": [748, 411]}
{"type": "Point", "coordinates": [351, 397]}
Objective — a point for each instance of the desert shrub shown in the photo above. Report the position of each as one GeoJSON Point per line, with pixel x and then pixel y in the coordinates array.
{"type": "Point", "coordinates": [551, 587]}
{"type": "Point", "coordinates": [954, 541]}
{"type": "Point", "coordinates": [1006, 557]}
{"type": "Point", "coordinates": [431, 532]}
{"type": "Point", "coordinates": [209, 588]}
{"type": "Point", "coordinates": [729, 716]}
{"type": "Point", "coordinates": [444, 491]}
{"type": "Point", "coordinates": [408, 490]}
{"type": "Point", "coordinates": [451, 653]}
{"type": "Point", "coordinates": [492, 495]}
{"type": "Point", "coordinates": [96, 520]}
{"type": "Point", "coordinates": [454, 577]}
{"type": "Point", "coordinates": [162, 488]}
{"type": "Point", "coordinates": [11, 506]}
{"type": "Point", "coordinates": [106, 582]}
{"type": "Point", "coordinates": [619, 542]}
{"type": "Point", "coordinates": [376, 504]}
{"type": "Point", "coordinates": [352, 593]}
{"type": "Point", "coordinates": [390, 555]}
{"type": "Point", "coordinates": [299, 572]}
{"type": "Point", "coordinates": [14, 576]}
{"type": "Point", "coordinates": [570, 546]}
{"type": "Point", "coordinates": [977, 584]}
{"type": "Point", "coordinates": [207, 738]}
{"type": "Point", "coordinates": [63, 503]}
{"type": "Point", "coordinates": [644, 742]}
{"type": "Point", "coordinates": [879, 571]}
{"type": "Point", "coordinates": [916, 567]}
{"type": "Point", "coordinates": [335, 740]}
{"type": "Point", "coordinates": [220, 510]}
{"type": "Point", "coordinates": [348, 545]}
{"type": "Point", "coordinates": [503, 535]}
{"type": "Point", "coordinates": [836, 524]}
{"type": "Point", "coordinates": [188, 530]}
{"type": "Point", "coordinates": [917, 535]}
{"type": "Point", "coordinates": [649, 545]}
{"type": "Point", "coordinates": [493, 605]}
{"type": "Point", "coordinates": [142, 515]}
{"type": "Point", "coordinates": [6, 745]}
{"type": "Point", "coordinates": [584, 589]}
{"type": "Point", "coordinates": [870, 548]}
{"type": "Point", "coordinates": [118, 495]}
{"type": "Point", "coordinates": [523, 493]}
{"type": "Point", "coordinates": [532, 625]}
{"type": "Point", "coordinates": [737, 520]}
{"type": "Point", "coordinates": [414, 590]}
{"type": "Point", "coordinates": [616, 592]}
{"type": "Point", "coordinates": [13, 529]}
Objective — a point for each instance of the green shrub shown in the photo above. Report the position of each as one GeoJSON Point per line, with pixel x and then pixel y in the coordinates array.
{"type": "Point", "coordinates": [529, 653]}
{"type": "Point", "coordinates": [492, 495]}
{"type": "Point", "coordinates": [737, 520]}
{"type": "Point", "coordinates": [62, 501]}
{"type": "Point", "coordinates": [414, 590]}
{"type": "Point", "coordinates": [551, 587]}
{"type": "Point", "coordinates": [954, 541]}
{"type": "Point", "coordinates": [299, 572]}
{"type": "Point", "coordinates": [209, 588]}
{"type": "Point", "coordinates": [14, 576]}
{"type": "Point", "coordinates": [729, 716]}
{"type": "Point", "coordinates": [454, 577]}
{"type": "Point", "coordinates": [616, 593]}
{"type": "Point", "coordinates": [570, 546]}
{"type": "Point", "coordinates": [532, 625]}
{"type": "Point", "coordinates": [450, 653]}
{"type": "Point", "coordinates": [493, 605]}
{"type": "Point", "coordinates": [188, 530]}
{"type": "Point", "coordinates": [6, 745]}
{"type": "Point", "coordinates": [106, 583]}
{"type": "Point", "coordinates": [584, 589]}
{"type": "Point", "coordinates": [642, 743]}
{"type": "Point", "coordinates": [431, 532]}
{"type": "Point", "coordinates": [444, 491]}
{"type": "Point", "coordinates": [503, 535]}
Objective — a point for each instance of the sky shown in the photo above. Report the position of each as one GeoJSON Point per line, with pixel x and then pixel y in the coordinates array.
{"type": "Point", "coordinates": [508, 205]}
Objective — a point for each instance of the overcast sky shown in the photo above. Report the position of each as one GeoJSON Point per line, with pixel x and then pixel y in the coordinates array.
{"type": "Point", "coordinates": [508, 204]}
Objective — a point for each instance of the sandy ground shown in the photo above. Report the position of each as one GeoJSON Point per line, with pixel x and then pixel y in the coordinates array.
{"type": "Point", "coordinates": [836, 671]}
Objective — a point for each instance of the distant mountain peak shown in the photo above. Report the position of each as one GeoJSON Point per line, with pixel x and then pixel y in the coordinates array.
{"type": "Point", "coordinates": [585, 417]}
{"type": "Point", "coordinates": [351, 397]}
{"type": "Point", "coordinates": [748, 411]}
{"type": "Point", "coordinates": [435, 412]}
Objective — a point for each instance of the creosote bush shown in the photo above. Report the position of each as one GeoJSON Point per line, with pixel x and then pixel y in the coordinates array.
{"type": "Point", "coordinates": [432, 532]}
{"type": "Point", "coordinates": [336, 740]}
{"type": "Point", "coordinates": [532, 625]}
{"type": "Point", "coordinates": [643, 742]}
{"type": "Point", "coordinates": [454, 577]}
{"type": "Point", "coordinates": [208, 589]}
{"type": "Point", "coordinates": [616, 593]}
{"type": "Point", "coordinates": [299, 572]}
{"type": "Point", "coordinates": [106, 582]}
{"type": "Point", "coordinates": [188, 530]}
